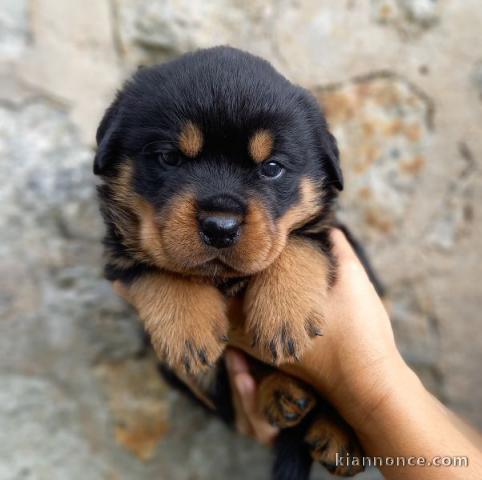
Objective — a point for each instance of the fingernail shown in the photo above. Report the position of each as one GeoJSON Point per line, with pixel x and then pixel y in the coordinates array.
{"type": "Point", "coordinates": [234, 363]}
{"type": "Point", "coordinates": [244, 383]}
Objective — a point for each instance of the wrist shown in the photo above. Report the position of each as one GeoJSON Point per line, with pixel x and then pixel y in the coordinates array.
{"type": "Point", "coordinates": [365, 391]}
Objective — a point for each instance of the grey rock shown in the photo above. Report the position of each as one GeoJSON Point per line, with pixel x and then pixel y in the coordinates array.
{"type": "Point", "coordinates": [157, 30]}
{"type": "Point", "coordinates": [14, 28]}
{"type": "Point", "coordinates": [41, 433]}
{"type": "Point", "coordinates": [456, 212]}
{"type": "Point", "coordinates": [409, 17]}
{"type": "Point", "coordinates": [77, 386]}
{"type": "Point", "coordinates": [477, 78]}
{"type": "Point", "coordinates": [417, 332]}
{"type": "Point", "coordinates": [383, 125]}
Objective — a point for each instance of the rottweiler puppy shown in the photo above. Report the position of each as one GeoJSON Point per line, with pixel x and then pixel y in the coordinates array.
{"type": "Point", "coordinates": [219, 180]}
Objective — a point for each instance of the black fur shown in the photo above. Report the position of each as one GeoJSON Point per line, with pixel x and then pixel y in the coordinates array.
{"type": "Point", "coordinates": [292, 459]}
{"type": "Point", "coordinates": [230, 94]}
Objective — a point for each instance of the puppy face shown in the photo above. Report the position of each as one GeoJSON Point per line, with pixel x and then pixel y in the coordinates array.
{"type": "Point", "coordinates": [210, 161]}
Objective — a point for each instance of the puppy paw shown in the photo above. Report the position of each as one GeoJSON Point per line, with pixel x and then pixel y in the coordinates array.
{"type": "Point", "coordinates": [333, 444]}
{"type": "Point", "coordinates": [285, 333]}
{"type": "Point", "coordinates": [188, 348]}
{"type": "Point", "coordinates": [283, 302]}
{"type": "Point", "coordinates": [284, 400]}
{"type": "Point", "coordinates": [186, 320]}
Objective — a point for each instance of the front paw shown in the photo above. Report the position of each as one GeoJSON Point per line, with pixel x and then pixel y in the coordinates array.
{"type": "Point", "coordinates": [186, 321]}
{"type": "Point", "coordinates": [284, 400]}
{"type": "Point", "coordinates": [283, 302]}
{"type": "Point", "coordinates": [333, 444]}
{"type": "Point", "coordinates": [284, 326]}
{"type": "Point", "coordinates": [192, 348]}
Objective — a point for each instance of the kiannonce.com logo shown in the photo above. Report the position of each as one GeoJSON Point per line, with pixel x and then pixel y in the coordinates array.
{"type": "Point", "coordinates": [437, 461]}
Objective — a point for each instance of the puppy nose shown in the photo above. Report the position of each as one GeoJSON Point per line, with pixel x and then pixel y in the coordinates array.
{"type": "Point", "coordinates": [219, 231]}
{"type": "Point", "coordinates": [220, 217]}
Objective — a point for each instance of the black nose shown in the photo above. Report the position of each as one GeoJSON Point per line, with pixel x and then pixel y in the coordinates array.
{"type": "Point", "coordinates": [219, 231]}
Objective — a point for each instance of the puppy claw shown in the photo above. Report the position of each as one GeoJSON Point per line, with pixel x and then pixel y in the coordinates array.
{"type": "Point", "coordinates": [290, 348]}
{"type": "Point", "coordinates": [273, 350]}
{"type": "Point", "coordinates": [170, 308]}
{"type": "Point", "coordinates": [330, 439]}
{"type": "Point", "coordinates": [302, 403]}
{"type": "Point", "coordinates": [186, 364]}
{"type": "Point", "coordinates": [294, 319]}
{"type": "Point", "coordinates": [284, 400]}
{"type": "Point", "coordinates": [203, 357]}
{"type": "Point", "coordinates": [313, 326]}
{"type": "Point", "coordinates": [290, 416]}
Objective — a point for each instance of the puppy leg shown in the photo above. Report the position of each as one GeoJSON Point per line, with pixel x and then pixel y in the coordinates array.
{"type": "Point", "coordinates": [284, 400]}
{"type": "Point", "coordinates": [209, 388]}
{"type": "Point", "coordinates": [186, 320]}
{"type": "Point", "coordinates": [283, 302]}
{"type": "Point", "coordinates": [332, 442]}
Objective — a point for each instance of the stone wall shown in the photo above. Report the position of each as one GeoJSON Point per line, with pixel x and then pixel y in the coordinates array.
{"type": "Point", "coordinates": [401, 81]}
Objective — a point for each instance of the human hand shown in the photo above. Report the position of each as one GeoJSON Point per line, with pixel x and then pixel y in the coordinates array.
{"type": "Point", "coordinates": [249, 420]}
{"type": "Point", "coordinates": [354, 361]}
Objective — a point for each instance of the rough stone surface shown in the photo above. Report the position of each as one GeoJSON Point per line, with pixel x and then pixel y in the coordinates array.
{"type": "Point", "coordinates": [14, 27]}
{"type": "Point", "coordinates": [382, 124]}
{"type": "Point", "coordinates": [478, 78]}
{"type": "Point", "coordinates": [41, 433]}
{"type": "Point", "coordinates": [409, 17]}
{"type": "Point", "coordinates": [401, 84]}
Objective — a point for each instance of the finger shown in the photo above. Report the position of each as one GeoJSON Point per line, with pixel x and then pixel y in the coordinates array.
{"type": "Point", "coordinates": [263, 431]}
{"type": "Point", "coordinates": [341, 246]}
{"type": "Point", "coordinates": [349, 267]}
{"type": "Point", "coordinates": [235, 365]}
{"type": "Point", "coordinates": [236, 362]}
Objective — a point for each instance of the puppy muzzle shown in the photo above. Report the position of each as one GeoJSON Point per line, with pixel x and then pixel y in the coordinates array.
{"type": "Point", "coordinates": [220, 218]}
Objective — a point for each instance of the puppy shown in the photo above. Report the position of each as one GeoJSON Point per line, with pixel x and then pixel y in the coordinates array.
{"type": "Point", "coordinates": [219, 178]}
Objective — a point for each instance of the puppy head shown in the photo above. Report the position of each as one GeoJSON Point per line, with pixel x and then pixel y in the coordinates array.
{"type": "Point", "coordinates": [211, 160]}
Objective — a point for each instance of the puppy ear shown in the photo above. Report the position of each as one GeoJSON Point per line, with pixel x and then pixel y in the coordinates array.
{"type": "Point", "coordinates": [332, 159]}
{"type": "Point", "coordinates": [326, 142]}
{"type": "Point", "coordinates": [105, 137]}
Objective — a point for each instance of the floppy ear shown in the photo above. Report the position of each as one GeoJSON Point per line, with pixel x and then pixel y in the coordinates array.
{"type": "Point", "coordinates": [327, 146]}
{"type": "Point", "coordinates": [332, 158]}
{"type": "Point", "coordinates": [105, 138]}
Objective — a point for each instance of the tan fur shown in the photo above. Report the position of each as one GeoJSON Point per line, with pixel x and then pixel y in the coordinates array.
{"type": "Point", "coordinates": [255, 242]}
{"type": "Point", "coordinates": [328, 436]}
{"type": "Point", "coordinates": [170, 238]}
{"type": "Point", "coordinates": [126, 209]}
{"type": "Point", "coordinates": [304, 211]}
{"type": "Point", "coordinates": [284, 400]}
{"type": "Point", "coordinates": [262, 240]}
{"type": "Point", "coordinates": [124, 202]}
{"type": "Point", "coordinates": [180, 233]}
{"type": "Point", "coordinates": [191, 140]}
{"type": "Point", "coordinates": [260, 145]}
{"type": "Point", "coordinates": [199, 384]}
{"type": "Point", "coordinates": [185, 319]}
{"type": "Point", "coordinates": [283, 302]}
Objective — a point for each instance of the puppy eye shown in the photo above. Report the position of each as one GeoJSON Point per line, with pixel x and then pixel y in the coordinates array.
{"type": "Point", "coordinates": [168, 159]}
{"type": "Point", "coordinates": [271, 170]}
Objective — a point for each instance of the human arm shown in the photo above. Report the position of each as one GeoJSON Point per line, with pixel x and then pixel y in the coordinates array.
{"type": "Point", "coordinates": [358, 368]}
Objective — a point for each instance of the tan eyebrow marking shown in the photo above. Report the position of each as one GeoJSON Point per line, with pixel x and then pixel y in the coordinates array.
{"type": "Point", "coordinates": [191, 140]}
{"type": "Point", "coordinates": [261, 145]}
